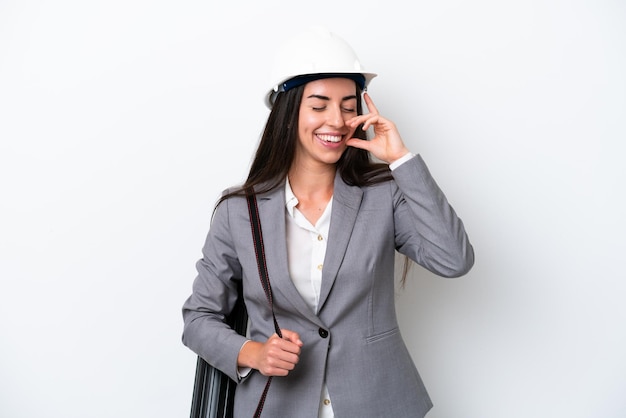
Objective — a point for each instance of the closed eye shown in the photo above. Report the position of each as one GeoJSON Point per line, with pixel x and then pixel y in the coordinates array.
{"type": "Point", "coordinates": [343, 109]}
{"type": "Point", "coordinates": [348, 100]}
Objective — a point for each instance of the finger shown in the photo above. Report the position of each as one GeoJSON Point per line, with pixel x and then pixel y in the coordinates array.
{"type": "Point", "coordinates": [359, 143]}
{"type": "Point", "coordinates": [275, 367]}
{"type": "Point", "coordinates": [278, 357]}
{"type": "Point", "coordinates": [270, 370]}
{"type": "Point", "coordinates": [372, 119]}
{"type": "Point", "coordinates": [284, 348]}
{"type": "Point", "coordinates": [370, 103]}
{"type": "Point", "coordinates": [367, 120]}
{"type": "Point", "coordinates": [292, 336]}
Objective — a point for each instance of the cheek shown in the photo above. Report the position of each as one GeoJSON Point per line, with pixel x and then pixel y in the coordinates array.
{"type": "Point", "coordinates": [308, 123]}
{"type": "Point", "coordinates": [308, 118]}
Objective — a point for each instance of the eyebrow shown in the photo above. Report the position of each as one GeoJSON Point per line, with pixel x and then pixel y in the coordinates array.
{"type": "Point", "coordinates": [319, 96]}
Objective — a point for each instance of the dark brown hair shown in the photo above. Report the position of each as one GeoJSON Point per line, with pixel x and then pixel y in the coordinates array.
{"type": "Point", "coordinates": [276, 152]}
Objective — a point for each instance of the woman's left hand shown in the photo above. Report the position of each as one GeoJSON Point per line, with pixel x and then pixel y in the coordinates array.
{"type": "Point", "coordinates": [386, 145]}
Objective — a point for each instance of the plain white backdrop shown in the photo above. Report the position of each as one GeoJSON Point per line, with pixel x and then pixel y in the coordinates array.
{"type": "Point", "coordinates": [121, 122]}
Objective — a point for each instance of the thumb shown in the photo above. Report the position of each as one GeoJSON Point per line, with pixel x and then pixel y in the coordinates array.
{"type": "Point", "coordinates": [292, 336]}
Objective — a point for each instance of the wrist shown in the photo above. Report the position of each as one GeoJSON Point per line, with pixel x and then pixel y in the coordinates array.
{"type": "Point", "coordinates": [247, 354]}
{"type": "Point", "coordinates": [401, 160]}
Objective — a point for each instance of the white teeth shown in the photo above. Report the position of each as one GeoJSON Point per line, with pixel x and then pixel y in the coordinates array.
{"type": "Point", "coordinates": [330, 138]}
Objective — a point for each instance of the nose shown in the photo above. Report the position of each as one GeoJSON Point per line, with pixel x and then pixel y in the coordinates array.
{"type": "Point", "coordinates": [335, 117]}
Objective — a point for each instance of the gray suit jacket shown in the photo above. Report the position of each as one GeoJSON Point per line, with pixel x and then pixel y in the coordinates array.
{"type": "Point", "coordinates": [353, 342]}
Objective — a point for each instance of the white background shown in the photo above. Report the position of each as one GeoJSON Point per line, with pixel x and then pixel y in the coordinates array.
{"type": "Point", "coordinates": [121, 122]}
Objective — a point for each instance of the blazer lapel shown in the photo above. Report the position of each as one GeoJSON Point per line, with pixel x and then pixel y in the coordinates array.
{"type": "Point", "coordinates": [346, 203]}
{"type": "Point", "coordinates": [272, 216]}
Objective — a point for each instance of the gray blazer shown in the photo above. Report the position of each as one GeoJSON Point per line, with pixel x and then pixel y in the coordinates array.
{"type": "Point", "coordinates": [353, 342]}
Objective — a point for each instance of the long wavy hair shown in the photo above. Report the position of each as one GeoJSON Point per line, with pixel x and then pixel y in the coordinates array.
{"type": "Point", "coordinates": [276, 151]}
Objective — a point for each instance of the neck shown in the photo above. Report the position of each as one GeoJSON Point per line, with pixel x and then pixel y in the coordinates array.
{"type": "Point", "coordinates": [313, 188]}
{"type": "Point", "coordinates": [314, 184]}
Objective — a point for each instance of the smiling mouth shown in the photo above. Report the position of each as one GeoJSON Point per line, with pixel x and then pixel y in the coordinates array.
{"type": "Point", "coordinates": [330, 138]}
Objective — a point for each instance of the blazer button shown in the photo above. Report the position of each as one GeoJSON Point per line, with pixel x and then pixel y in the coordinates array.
{"type": "Point", "coordinates": [323, 333]}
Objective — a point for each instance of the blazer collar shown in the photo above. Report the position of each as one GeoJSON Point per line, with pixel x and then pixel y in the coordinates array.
{"type": "Point", "coordinates": [346, 204]}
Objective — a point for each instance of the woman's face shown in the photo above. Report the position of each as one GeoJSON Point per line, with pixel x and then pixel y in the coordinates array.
{"type": "Point", "coordinates": [322, 132]}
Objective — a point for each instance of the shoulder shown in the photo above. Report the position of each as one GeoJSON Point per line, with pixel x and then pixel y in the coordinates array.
{"type": "Point", "coordinates": [231, 199]}
{"type": "Point", "coordinates": [376, 196]}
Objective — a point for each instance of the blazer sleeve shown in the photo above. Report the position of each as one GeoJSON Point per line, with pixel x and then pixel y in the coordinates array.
{"type": "Point", "coordinates": [427, 229]}
{"type": "Point", "coordinates": [213, 297]}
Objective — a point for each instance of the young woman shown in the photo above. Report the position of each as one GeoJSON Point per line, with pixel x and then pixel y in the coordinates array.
{"type": "Point", "coordinates": [332, 221]}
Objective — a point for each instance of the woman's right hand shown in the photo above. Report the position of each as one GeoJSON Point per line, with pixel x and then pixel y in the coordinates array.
{"type": "Point", "coordinates": [275, 357]}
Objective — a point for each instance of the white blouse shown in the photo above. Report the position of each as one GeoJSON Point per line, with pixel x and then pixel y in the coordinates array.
{"type": "Point", "coordinates": [306, 249]}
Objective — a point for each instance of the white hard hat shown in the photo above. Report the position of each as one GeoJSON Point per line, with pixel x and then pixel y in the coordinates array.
{"type": "Point", "coordinates": [315, 51]}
